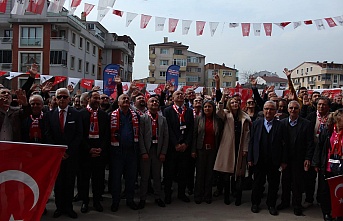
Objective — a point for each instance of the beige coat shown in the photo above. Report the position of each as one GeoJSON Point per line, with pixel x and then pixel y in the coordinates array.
{"type": "Point", "coordinates": [225, 161]}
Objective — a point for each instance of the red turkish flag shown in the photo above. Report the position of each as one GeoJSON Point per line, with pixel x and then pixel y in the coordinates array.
{"type": "Point", "coordinates": [87, 83]}
{"type": "Point", "coordinates": [245, 29]}
{"type": "Point", "coordinates": [140, 86]}
{"type": "Point", "coordinates": [200, 27]}
{"type": "Point", "coordinates": [36, 6]}
{"type": "Point", "coordinates": [145, 20]}
{"type": "Point", "coordinates": [172, 24]}
{"type": "Point", "coordinates": [147, 95]}
{"type": "Point", "coordinates": [268, 28]}
{"type": "Point", "coordinates": [27, 175]}
{"type": "Point", "coordinates": [59, 79]}
{"type": "Point", "coordinates": [159, 89]}
{"type": "Point", "coordinates": [330, 22]}
{"type": "Point", "coordinates": [118, 13]}
{"type": "Point", "coordinates": [3, 73]}
{"type": "Point", "coordinates": [336, 192]}
{"type": "Point", "coordinates": [3, 4]}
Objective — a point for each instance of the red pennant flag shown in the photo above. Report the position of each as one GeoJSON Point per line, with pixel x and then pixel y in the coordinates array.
{"type": "Point", "coordinates": [118, 13]}
{"type": "Point", "coordinates": [147, 95]}
{"type": "Point", "coordinates": [336, 192]}
{"type": "Point", "coordinates": [330, 22]}
{"type": "Point", "coordinates": [3, 4]}
{"type": "Point", "coordinates": [245, 29]}
{"type": "Point", "coordinates": [87, 83]}
{"type": "Point", "coordinates": [308, 22]}
{"type": "Point", "coordinates": [88, 8]}
{"type": "Point", "coordinates": [59, 79]}
{"type": "Point", "coordinates": [125, 87]}
{"type": "Point", "coordinates": [268, 27]}
{"type": "Point", "coordinates": [140, 86]}
{"type": "Point", "coordinates": [145, 20]}
{"type": "Point", "coordinates": [200, 27]}
{"type": "Point", "coordinates": [282, 24]}
{"type": "Point", "coordinates": [36, 6]}
{"type": "Point", "coordinates": [75, 3]}
{"type": "Point", "coordinates": [172, 24]}
{"type": "Point", "coordinates": [27, 175]}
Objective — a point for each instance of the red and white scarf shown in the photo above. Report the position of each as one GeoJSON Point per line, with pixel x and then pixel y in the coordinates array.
{"type": "Point", "coordinates": [322, 121]}
{"type": "Point", "coordinates": [35, 130]}
{"type": "Point", "coordinates": [154, 127]}
{"type": "Point", "coordinates": [182, 115]}
{"type": "Point", "coordinates": [195, 114]}
{"type": "Point", "coordinates": [94, 123]}
{"type": "Point", "coordinates": [115, 126]}
{"type": "Point", "coordinates": [336, 146]}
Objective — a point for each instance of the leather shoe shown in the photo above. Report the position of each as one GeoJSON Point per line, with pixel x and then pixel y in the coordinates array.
{"type": "Point", "coordinates": [72, 214]}
{"type": "Point", "coordinates": [273, 211]}
{"type": "Point", "coordinates": [255, 208]}
{"type": "Point", "coordinates": [327, 217]}
{"type": "Point", "coordinates": [98, 207]}
{"type": "Point", "coordinates": [132, 205]}
{"type": "Point", "coordinates": [57, 213]}
{"type": "Point", "coordinates": [114, 207]}
{"type": "Point", "coordinates": [282, 206]}
{"type": "Point", "coordinates": [76, 198]}
{"type": "Point", "coordinates": [141, 204]}
{"type": "Point", "coordinates": [160, 203]}
{"type": "Point", "coordinates": [167, 199]}
{"type": "Point", "coordinates": [84, 208]}
{"type": "Point", "coordinates": [184, 198]}
{"type": "Point", "coordinates": [298, 212]}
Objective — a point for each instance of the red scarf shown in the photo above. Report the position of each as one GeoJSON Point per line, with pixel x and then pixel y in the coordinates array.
{"type": "Point", "coordinates": [94, 124]}
{"type": "Point", "coordinates": [195, 114]}
{"type": "Point", "coordinates": [322, 121]}
{"type": "Point", "coordinates": [182, 115]}
{"type": "Point", "coordinates": [337, 143]}
{"type": "Point", "coordinates": [35, 130]}
{"type": "Point", "coordinates": [153, 125]}
{"type": "Point", "coordinates": [115, 126]}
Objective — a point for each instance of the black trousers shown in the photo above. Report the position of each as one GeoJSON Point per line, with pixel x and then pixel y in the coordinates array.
{"type": "Point", "coordinates": [324, 191]}
{"type": "Point", "coordinates": [262, 171]}
{"type": "Point", "coordinates": [310, 185]}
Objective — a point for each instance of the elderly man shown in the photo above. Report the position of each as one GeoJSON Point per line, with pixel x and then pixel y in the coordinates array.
{"type": "Point", "coordinates": [65, 128]}
{"type": "Point", "coordinates": [124, 151]}
{"type": "Point", "coordinates": [268, 152]}
{"type": "Point", "coordinates": [189, 98]}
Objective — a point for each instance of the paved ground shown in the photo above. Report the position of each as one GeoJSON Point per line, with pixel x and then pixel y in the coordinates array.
{"type": "Point", "coordinates": [178, 210]}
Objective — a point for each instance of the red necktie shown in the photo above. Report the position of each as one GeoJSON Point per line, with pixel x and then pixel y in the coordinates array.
{"type": "Point", "coordinates": [62, 120]}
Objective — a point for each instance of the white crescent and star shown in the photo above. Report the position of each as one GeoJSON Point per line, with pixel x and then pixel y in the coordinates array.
{"type": "Point", "coordinates": [337, 187]}
{"type": "Point", "coordinates": [22, 177]}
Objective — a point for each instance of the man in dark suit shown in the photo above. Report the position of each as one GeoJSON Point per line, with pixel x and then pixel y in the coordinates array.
{"type": "Point", "coordinates": [94, 151]}
{"type": "Point", "coordinates": [180, 127]}
{"type": "Point", "coordinates": [153, 143]}
{"type": "Point", "coordinates": [300, 155]}
{"type": "Point", "coordinates": [64, 127]}
{"type": "Point", "coordinates": [268, 153]}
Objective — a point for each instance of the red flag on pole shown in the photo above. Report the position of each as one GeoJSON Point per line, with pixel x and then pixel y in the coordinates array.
{"type": "Point", "coordinates": [336, 192]}
{"type": "Point", "coordinates": [87, 83]}
{"type": "Point", "coordinates": [88, 8]}
{"type": "Point", "coordinates": [3, 6]}
{"type": "Point", "coordinates": [27, 175]}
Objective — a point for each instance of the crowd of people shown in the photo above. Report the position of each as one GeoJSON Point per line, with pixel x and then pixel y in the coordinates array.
{"type": "Point", "coordinates": [176, 136]}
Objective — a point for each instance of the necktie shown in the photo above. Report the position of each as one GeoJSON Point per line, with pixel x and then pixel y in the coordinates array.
{"type": "Point", "coordinates": [180, 110]}
{"type": "Point", "coordinates": [269, 126]}
{"type": "Point", "coordinates": [62, 120]}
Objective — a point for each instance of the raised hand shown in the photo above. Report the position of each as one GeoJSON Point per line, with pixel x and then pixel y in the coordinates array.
{"type": "Point", "coordinates": [216, 77]}
{"type": "Point", "coordinates": [33, 70]}
{"type": "Point", "coordinates": [117, 79]}
{"type": "Point", "coordinates": [70, 88]}
{"type": "Point", "coordinates": [195, 86]}
{"type": "Point", "coordinates": [21, 97]}
{"type": "Point", "coordinates": [96, 88]}
{"type": "Point", "coordinates": [287, 72]}
{"type": "Point", "coordinates": [253, 81]}
{"type": "Point", "coordinates": [33, 87]}
{"type": "Point", "coordinates": [47, 87]}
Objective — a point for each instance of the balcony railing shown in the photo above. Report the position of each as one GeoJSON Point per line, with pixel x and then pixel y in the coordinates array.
{"type": "Point", "coordinates": [6, 66]}
{"type": "Point", "coordinates": [5, 40]}
{"type": "Point", "coordinates": [24, 41]}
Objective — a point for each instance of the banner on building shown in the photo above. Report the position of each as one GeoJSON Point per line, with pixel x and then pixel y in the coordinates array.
{"type": "Point", "coordinates": [172, 75]}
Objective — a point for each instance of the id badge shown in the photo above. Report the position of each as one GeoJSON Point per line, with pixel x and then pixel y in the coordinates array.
{"type": "Point", "coordinates": [183, 127]}
{"type": "Point", "coordinates": [154, 141]}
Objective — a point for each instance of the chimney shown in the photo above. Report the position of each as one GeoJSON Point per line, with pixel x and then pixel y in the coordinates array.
{"type": "Point", "coordinates": [83, 17]}
{"type": "Point", "coordinates": [165, 39]}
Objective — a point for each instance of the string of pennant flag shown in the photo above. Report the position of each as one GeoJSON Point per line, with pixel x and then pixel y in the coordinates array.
{"type": "Point", "coordinates": [104, 6]}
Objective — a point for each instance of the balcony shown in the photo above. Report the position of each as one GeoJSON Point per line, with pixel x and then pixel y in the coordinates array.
{"type": "Point", "coordinates": [6, 66]}
{"type": "Point", "coordinates": [31, 42]}
{"type": "Point", "coordinates": [183, 68]}
{"type": "Point", "coordinates": [326, 81]}
{"type": "Point", "coordinates": [152, 57]}
{"type": "Point", "coordinates": [311, 82]}
{"type": "Point", "coordinates": [59, 43]}
{"type": "Point", "coordinates": [191, 64]}
{"type": "Point", "coordinates": [6, 43]}
{"type": "Point", "coordinates": [152, 68]}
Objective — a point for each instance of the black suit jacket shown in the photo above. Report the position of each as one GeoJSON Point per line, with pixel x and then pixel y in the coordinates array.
{"type": "Point", "coordinates": [72, 135]}
{"type": "Point", "coordinates": [26, 126]}
{"type": "Point", "coordinates": [279, 142]}
{"type": "Point", "coordinates": [174, 127]}
{"type": "Point", "coordinates": [302, 145]}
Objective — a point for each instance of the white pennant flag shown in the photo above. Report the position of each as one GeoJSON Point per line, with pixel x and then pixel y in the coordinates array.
{"type": "Point", "coordinates": [129, 18]}
{"type": "Point", "coordinates": [102, 13]}
{"type": "Point", "coordinates": [13, 75]}
{"type": "Point", "coordinates": [159, 23]}
{"type": "Point", "coordinates": [106, 3]}
{"type": "Point", "coordinates": [73, 81]}
{"type": "Point", "coordinates": [339, 20]}
{"type": "Point", "coordinates": [44, 78]}
{"type": "Point", "coordinates": [233, 25]}
{"type": "Point", "coordinates": [257, 29]}
{"type": "Point", "coordinates": [186, 25]}
{"type": "Point", "coordinates": [296, 24]}
{"type": "Point", "coordinates": [319, 24]}
{"type": "Point", "coordinates": [213, 27]}
{"type": "Point", "coordinates": [56, 6]}
{"type": "Point", "coordinates": [19, 7]}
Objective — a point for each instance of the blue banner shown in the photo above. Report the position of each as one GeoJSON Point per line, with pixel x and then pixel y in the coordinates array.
{"type": "Point", "coordinates": [109, 73]}
{"type": "Point", "coordinates": [172, 75]}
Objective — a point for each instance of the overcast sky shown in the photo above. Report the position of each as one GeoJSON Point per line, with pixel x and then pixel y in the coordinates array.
{"type": "Point", "coordinates": [285, 48]}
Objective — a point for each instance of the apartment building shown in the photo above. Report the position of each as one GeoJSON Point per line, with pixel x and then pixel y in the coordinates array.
{"type": "Point", "coordinates": [164, 54]}
{"type": "Point", "coordinates": [227, 75]}
{"type": "Point", "coordinates": [61, 45]}
{"type": "Point", "coordinates": [318, 75]}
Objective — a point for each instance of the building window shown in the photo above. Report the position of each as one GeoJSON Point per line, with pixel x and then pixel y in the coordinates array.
{"type": "Point", "coordinates": [198, 69]}
{"type": "Point", "coordinates": [213, 83]}
{"type": "Point", "coordinates": [58, 57]}
{"type": "Point", "coordinates": [178, 52]}
{"type": "Point", "coordinates": [164, 62]}
{"type": "Point", "coordinates": [72, 62]}
{"type": "Point", "coordinates": [27, 59]}
{"type": "Point", "coordinates": [164, 51]}
{"type": "Point", "coordinates": [193, 78]}
{"type": "Point", "coordinates": [126, 59]}
{"type": "Point", "coordinates": [318, 78]}
{"type": "Point", "coordinates": [162, 73]}
{"type": "Point", "coordinates": [302, 71]}
{"type": "Point", "coordinates": [87, 67]}
{"type": "Point", "coordinates": [188, 69]}
{"type": "Point", "coordinates": [31, 36]}
{"type": "Point", "coordinates": [306, 69]}
{"type": "Point", "coordinates": [87, 46]}
{"type": "Point", "coordinates": [193, 59]}
{"type": "Point", "coordinates": [227, 84]}
{"type": "Point", "coordinates": [81, 43]}
{"type": "Point", "coordinates": [73, 38]}
{"type": "Point", "coordinates": [227, 73]}
{"type": "Point", "coordinates": [179, 74]}
{"type": "Point", "coordinates": [93, 69]}
{"type": "Point", "coordinates": [311, 68]}
{"type": "Point", "coordinates": [5, 56]}
{"type": "Point", "coordinates": [181, 84]}
{"type": "Point", "coordinates": [297, 71]}
{"type": "Point", "coordinates": [79, 67]}
{"type": "Point", "coordinates": [180, 62]}
{"type": "Point", "coordinates": [8, 34]}
{"type": "Point", "coordinates": [335, 78]}
{"type": "Point", "coordinates": [94, 49]}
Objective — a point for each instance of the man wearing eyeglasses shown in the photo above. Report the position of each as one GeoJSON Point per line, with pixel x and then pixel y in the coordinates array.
{"type": "Point", "coordinates": [300, 155]}
{"type": "Point", "coordinates": [65, 128]}
{"type": "Point", "coordinates": [268, 154]}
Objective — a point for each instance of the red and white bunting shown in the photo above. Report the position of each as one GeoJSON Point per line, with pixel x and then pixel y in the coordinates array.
{"type": "Point", "coordinates": [245, 29]}
{"type": "Point", "coordinates": [200, 27]}
{"type": "Point", "coordinates": [3, 4]}
{"type": "Point", "coordinates": [233, 25]}
{"type": "Point", "coordinates": [145, 20]}
{"type": "Point", "coordinates": [129, 18]}
{"type": "Point", "coordinates": [87, 83]}
{"type": "Point", "coordinates": [257, 29]}
{"type": "Point", "coordinates": [159, 23]}
{"type": "Point", "coordinates": [339, 19]}
{"type": "Point", "coordinates": [20, 7]}
{"type": "Point", "coordinates": [56, 6]}
{"type": "Point", "coordinates": [186, 25]}
{"type": "Point", "coordinates": [282, 25]}
{"type": "Point", "coordinates": [87, 9]}
{"type": "Point", "coordinates": [102, 13]}
{"type": "Point", "coordinates": [44, 78]}
{"type": "Point", "coordinates": [106, 3]}
{"type": "Point", "coordinates": [296, 24]}
{"type": "Point", "coordinates": [308, 22]}
{"type": "Point", "coordinates": [330, 22]}
{"type": "Point", "coordinates": [59, 79]}
{"type": "Point", "coordinates": [319, 24]}
{"type": "Point", "coordinates": [268, 27]}
{"type": "Point", "coordinates": [213, 27]}
{"type": "Point", "coordinates": [150, 88]}
{"type": "Point", "coordinates": [172, 24]}
{"type": "Point", "coordinates": [36, 6]}
{"type": "Point", "coordinates": [74, 5]}
{"type": "Point", "coordinates": [118, 13]}
{"type": "Point", "coordinates": [13, 75]}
